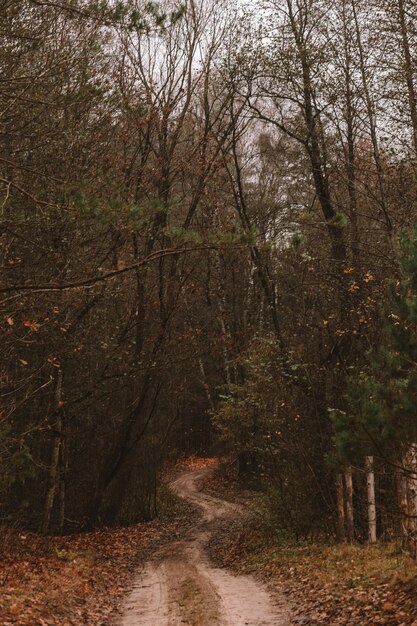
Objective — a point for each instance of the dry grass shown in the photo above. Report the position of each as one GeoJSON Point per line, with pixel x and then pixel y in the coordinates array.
{"type": "Point", "coordinates": [342, 566]}
{"type": "Point", "coordinates": [194, 606]}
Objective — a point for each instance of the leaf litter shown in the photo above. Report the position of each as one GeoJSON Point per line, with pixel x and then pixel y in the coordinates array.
{"type": "Point", "coordinates": [337, 585]}
{"type": "Point", "coordinates": [81, 578]}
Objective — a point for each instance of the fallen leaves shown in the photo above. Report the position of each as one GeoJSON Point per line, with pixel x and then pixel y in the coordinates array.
{"type": "Point", "coordinates": [337, 585]}
{"type": "Point", "coordinates": [191, 463]}
{"type": "Point", "coordinates": [32, 325]}
{"type": "Point", "coordinates": [77, 579]}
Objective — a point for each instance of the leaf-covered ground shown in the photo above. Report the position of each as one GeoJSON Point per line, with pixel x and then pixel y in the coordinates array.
{"type": "Point", "coordinates": [337, 585]}
{"type": "Point", "coordinates": [79, 579]}
{"type": "Point", "coordinates": [82, 579]}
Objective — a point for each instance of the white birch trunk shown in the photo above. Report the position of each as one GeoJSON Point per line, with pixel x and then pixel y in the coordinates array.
{"type": "Point", "coordinates": [370, 482]}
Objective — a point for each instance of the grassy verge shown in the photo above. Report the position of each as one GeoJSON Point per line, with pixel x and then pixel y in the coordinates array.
{"type": "Point", "coordinates": [327, 585]}
{"type": "Point", "coordinates": [342, 584]}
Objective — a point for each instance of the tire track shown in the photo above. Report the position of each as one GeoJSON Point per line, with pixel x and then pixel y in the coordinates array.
{"type": "Point", "coordinates": [180, 587]}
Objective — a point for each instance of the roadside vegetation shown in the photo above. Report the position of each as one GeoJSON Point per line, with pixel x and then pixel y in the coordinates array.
{"type": "Point", "coordinates": [325, 582]}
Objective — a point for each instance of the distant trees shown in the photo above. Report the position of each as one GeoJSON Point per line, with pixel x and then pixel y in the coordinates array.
{"type": "Point", "coordinates": [200, 213]}
{"type": "Point", "coordinates": [324, 91]}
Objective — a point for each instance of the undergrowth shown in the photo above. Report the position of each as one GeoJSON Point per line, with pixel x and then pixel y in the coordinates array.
{"type": "Point", "coordinates": [326, 582]}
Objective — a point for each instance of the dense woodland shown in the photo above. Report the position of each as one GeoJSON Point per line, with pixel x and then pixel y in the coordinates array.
{"type": "Point", "coordinates": [208, 244]}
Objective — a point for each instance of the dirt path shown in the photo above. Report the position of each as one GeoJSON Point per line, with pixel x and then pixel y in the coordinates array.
{"type": "Point", "coordinates": [181, 588]}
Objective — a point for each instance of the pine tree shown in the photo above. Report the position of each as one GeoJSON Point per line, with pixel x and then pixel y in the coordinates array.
{"type": "Point", "coordinates": [387, 394]}
{"type": "Point", "coordinates": [382, 419]}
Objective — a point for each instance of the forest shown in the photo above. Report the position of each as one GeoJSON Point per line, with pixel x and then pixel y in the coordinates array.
{"type": "Point", "coordinates": [208, 241]}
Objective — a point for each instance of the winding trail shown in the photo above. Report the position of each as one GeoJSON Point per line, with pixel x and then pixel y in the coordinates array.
{"type": "Point", "coordinates": [181, 588]}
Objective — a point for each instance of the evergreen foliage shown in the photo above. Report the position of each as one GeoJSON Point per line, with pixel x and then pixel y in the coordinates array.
{"type": "Point", "coordinates": [382, 399]}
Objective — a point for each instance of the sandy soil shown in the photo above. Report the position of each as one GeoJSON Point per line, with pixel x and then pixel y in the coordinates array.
{"type": "Point", "coordinates": [181, 588]}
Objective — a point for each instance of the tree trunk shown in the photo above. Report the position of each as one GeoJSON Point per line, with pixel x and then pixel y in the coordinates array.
{"type": "Point", "coordinates": [205, 384]}
{"type": "Point", "coordinates": [411, 486]}
{"type": "Point", "coordinates": [54, 474]}
{"type": "Point", "coordinates": [409, 71]}
{"type": "Point", "coordinates": [341, 529]}
{"type": "Point", "coordinates": [64, 456]}
{"type": "Point", "coordinates": [370, 482]}
{"type": "Point", "coordinates": [350, 529]}
{"type": "Point", "coordinates": [370, 108]}
{"type": "Point", "coordinates": [403, 506]}
{"type": "Point", "coordinates": [350, 118]}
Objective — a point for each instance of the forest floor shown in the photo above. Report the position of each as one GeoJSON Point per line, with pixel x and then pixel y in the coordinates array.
{"type": "Point", "coordinates": [325, 584]}
{"type": "Point", "coordinates": [81, 579]}
{"type": "Point", "coordinates": [208, 560]}
{"type": "Point", "coordinates": [150, 574]}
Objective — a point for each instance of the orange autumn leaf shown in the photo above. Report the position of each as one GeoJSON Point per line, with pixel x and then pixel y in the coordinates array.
{"type": "Point", "coordinates": [32, 325]}
{"type": "Point", "coordinates": [53, 360]}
